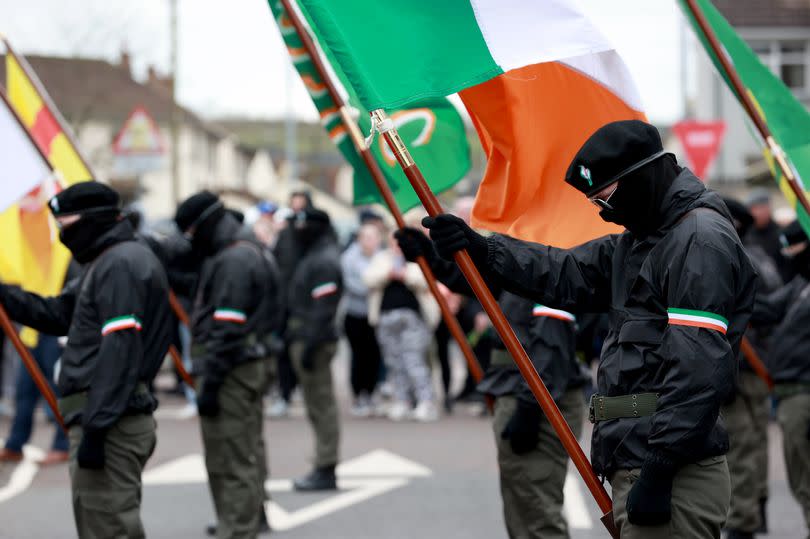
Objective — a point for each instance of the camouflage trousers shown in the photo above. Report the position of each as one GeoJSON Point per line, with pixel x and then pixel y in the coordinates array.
{"type": "Point", "coordinates": [404, 340]}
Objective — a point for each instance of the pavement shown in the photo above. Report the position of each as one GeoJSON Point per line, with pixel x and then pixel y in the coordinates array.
{"type": "Point", "coordinates": [397, 480]}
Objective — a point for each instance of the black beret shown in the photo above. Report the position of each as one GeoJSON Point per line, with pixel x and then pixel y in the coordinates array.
{"type": "Point", "coordinates": [191, 209]}
{"type": "Point", "coordinates": [613, 151]}
{"type": "Point", "coordinates": [83, 197]}
{"type": "Point", "coordinates": [793, 234]}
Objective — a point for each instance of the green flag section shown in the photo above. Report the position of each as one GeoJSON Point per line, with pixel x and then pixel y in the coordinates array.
{"type": "Point", "coordinates": [399, 51]}
{"type": "Point", "coordinates": [432, 129]}
{"type": "Point", "coordinates": [787, 118]}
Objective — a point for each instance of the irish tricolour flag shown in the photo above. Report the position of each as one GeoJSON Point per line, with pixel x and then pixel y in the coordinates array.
{"type": "Point", "coordinates": [535, 75]}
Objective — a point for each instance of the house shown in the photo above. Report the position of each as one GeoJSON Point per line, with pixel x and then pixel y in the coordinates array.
{"type": "Point", "coordinates": [779, 32]}
{"type": "Point", "coordinates": [96, 97]}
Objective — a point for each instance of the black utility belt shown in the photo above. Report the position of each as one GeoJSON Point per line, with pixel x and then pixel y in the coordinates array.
{"type": "Point", "coordinates": [75, 402]}
{"type": "Point", "coordinates": [603, 408]}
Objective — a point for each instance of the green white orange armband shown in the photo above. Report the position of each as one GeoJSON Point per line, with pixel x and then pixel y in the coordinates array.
{"type": "Point", "coordinates": [542, 310]}
{"type": "Point", "coordinates": [700, 319]}
{"type": "Point", "coordinates": [230, 315]}
{"type": "Point", "coordinates": [323, 290]}
{"type": "Point", "coordinates": [118, 323]}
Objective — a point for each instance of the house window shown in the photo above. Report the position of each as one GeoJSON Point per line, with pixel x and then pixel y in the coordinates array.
{"type": "Point", "coordinates": [789, 60]}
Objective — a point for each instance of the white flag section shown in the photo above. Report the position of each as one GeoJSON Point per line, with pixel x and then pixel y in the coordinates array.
{"type": "Point", "coordinates": [22, 167]}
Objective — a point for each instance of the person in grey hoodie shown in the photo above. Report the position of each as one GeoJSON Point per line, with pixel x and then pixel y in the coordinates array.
{"type": "Point", "coordinates": [365, 359]}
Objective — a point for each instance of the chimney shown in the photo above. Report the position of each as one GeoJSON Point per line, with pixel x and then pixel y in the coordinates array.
{"type": "Point", "coordinates": [123, 62]}
{"type": "Point", "coordinates": [156, 82]}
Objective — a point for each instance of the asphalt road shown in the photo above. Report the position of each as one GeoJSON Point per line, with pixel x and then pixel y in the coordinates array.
{"type": "Point", "coordinates": [398, 480]}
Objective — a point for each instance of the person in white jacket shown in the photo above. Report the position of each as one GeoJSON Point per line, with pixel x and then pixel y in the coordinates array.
{"type": "Point", "coordinates": [404, 314]}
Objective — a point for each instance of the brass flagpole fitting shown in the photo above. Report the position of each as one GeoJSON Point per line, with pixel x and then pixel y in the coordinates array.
{"type": "Point", "coordinates": [385, 126]}
{"type": "Point", "coordinates": [779, 154]}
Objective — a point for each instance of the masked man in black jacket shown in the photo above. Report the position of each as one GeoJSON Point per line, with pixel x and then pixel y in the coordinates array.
{"type": "Point", "coordinates": [312, 299]}
{"type": "Point", "coordinates": [679, 290]}
{"type": "Point", "coordinates": [117, 319]}
{"type": "Point", "coordinates": [235, 305]}
{"type": "Point", "coordinates": [787, 311]}
{"type": "Point", "coordinates": [532, 461]}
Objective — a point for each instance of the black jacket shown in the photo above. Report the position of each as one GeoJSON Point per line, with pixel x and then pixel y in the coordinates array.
{"type": "Point", "coordinates": [769, 280]}
{"type": "Point", "coordinates": [548, 338]}
{"type": "Point", "coordinates": [236, 302]}
{"type": "Point", "coordinates": [788, 309]}
{"type": "Point", "coordinates": [117, 320]}
{"type": "Point", "coordinates": [694, 262]}
{"type": "Point", "coordinates": [314, 293]}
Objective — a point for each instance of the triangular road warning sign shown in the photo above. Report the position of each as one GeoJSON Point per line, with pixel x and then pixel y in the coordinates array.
{"type": "Point", "coordinates": [140, 135]}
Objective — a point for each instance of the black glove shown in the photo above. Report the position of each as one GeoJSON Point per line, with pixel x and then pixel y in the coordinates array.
{"type": "Point", "coordinates": [414, 244]}
{"type": "Point", "coordinates": [208, 399]}
{"type": "Point", "coordinates": [523, 428]}
{"type": "Point", "coordinates": [91, 450]}
{"type": "Point", "coordinates": [308, 357]}
{"type": "Point", "coordinates": [808, 431]}
{"type": "Point", "coordinates": [650, 500]}
{"type": "Point", "coordinates": [451, 234]}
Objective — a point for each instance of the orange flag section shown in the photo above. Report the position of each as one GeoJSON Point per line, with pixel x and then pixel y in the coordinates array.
{"type": "Point", "coordinates": [531, 122]}
{"type": "Point", "coordinates": [33, 256]}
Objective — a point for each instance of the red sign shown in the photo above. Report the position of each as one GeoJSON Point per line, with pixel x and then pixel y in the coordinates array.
{"type": "Point", "coordinates": [139, 135]}
{"type": "Point", "coordinates": [701, 142]}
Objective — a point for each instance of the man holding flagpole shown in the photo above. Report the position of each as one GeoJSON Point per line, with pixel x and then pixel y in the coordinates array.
{"type": "Point", "coordinates": [116, 317]}
{"type": "Point", "coordinates": [679, 290]}
{"type": "Point", "coordinates": [532, 463]}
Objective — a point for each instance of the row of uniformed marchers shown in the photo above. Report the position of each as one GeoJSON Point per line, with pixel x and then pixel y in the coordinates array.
{"type": "Point", "coordinates": [118, 321]}
{"type": "Point", "coordinates": [679, 289]}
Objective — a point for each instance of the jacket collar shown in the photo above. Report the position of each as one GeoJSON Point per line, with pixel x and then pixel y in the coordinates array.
{"type": "Point", "coordinates": [687, 193]}
{"type": "Point", "coordinates": [120, 232]}
{"type": "Point", "coordinates": [225, 232]}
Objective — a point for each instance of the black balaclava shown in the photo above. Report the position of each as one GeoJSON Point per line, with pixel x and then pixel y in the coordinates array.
{"type": "Point", "coordinates": [741, 216]}
{"type": "Point", "coordinates": [82, 236]}
{"type": "Point", "coordinates": [200, 212]}
{"type": "Point", "coordinates": [793, 234]}
{"type": "Point", "coordinates": [639, 197]}
{"type": "Point", "coordinates": [98, 208]}
{"type": "Point", "coordinates": [309, 226]}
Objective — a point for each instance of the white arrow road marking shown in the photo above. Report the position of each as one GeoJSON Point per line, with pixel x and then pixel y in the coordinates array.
{"type": "Point", "coordinates": [188, 469]}
{"type": "Point", "coordinates": [23, 473]}
{"type": "Point", "coordinates": [353, 491]}
{"type": "Point", "coordinates": [576, 512]}
{"type": "Point", "coordinates": [359, 479]}
{"type": "Point", "coordinates": [382, 463]}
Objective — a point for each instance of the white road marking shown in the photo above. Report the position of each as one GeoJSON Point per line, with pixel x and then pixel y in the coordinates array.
{"type": "Point", "coordinates": [382, 463]}
{"type": "Point", "coordinates": [185, 470]}
{"type": "Point", "coordinates": [23, 474]}
{"type": "Point", "coordinates": [576, 512]}
{"type": "Point", "coordinates": [359, 479]}
{"type": "Point", "coordinates": [353, 491]}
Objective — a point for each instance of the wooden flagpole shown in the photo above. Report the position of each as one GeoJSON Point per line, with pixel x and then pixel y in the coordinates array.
{"type": "Point", "coordinates": [8, 328]}
{"type": "Point", "coordinates": [748, 104]}
{"type": "Point", "coordinates": [382, 185]}
{"type": "Point", "coordinates": [388, 131]}
{"type": "Point", "coordinates": [755, 361]}
{"type": "Point", "coordinates": [181, 315]}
